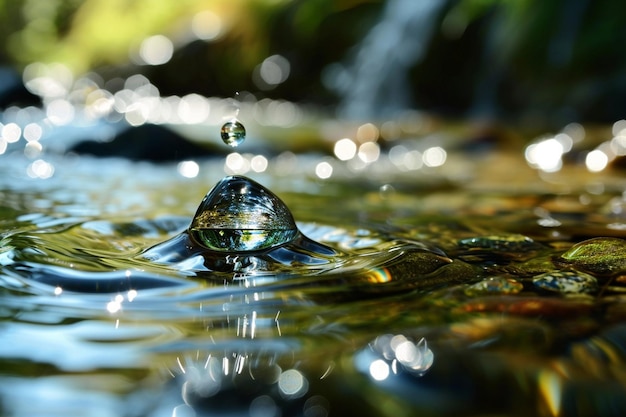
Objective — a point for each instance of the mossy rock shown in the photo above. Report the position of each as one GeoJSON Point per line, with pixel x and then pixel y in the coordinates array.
{"type": "Point", "coordinates": [601, 255]}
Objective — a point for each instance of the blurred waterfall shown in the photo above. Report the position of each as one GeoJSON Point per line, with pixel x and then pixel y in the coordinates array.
{"type": "Point", "coordinates": [497, 52]}
{"type": "Point", "coordinates": [375, 84]}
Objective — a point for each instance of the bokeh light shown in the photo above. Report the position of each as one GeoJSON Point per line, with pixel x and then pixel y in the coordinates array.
{"type": "Point", "coordinates": [206, 25]}
{"type": "Point", "coordinates": [60, 112]}
{"type": "Point", "coordinates": [324, 170]}
{"type": "Point", "coordinates": [259, 163]}
{"type": "Point", "coordinates": [434, 156]}
{"type": "Point", "coordinates": [11, 132]}
{"type": "Point", "coordinates": [33, 149]}
{"type": "Point", "coordinates": [236, 163]}
{"type": "Point", "coordinates": [596, 160]}
{"type": "Point", "coordinates": [188, 169]}
{"type": "Point", "coordinates": [292, 384]}
{"type": "Point", "coordinates": [264, 406]}
{"type": "Point", "coordinates": [545, 155]}
{"type": "Point", "coordinates": [115, 305]}
{"type": "Point", "coordinates": [40, 169]}
{"type": "Point", "coordinates": [32, 132]}
{"type": "Point", "coordinates": [393, 354]}
{"type": "Point", "coordinates": [274, 70]}
{"type": "Point", "coordinates": [379, 370]}
{"type": "Point", "coordinates": [345, 149]}
{"type": "Point", "coordinates": [156, 50]}
{"type": "Point", "coordinates": [369, 152]}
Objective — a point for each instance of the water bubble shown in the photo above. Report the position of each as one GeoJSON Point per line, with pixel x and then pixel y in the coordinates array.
{"type": "Point", "coordinates": [240, 215]}
{"type": "Point", "coordinates": [264, 406]}
{"type": "Point", "coordinates": [233, 133]}
{"type": "Point", "coordinates": [386, 191]}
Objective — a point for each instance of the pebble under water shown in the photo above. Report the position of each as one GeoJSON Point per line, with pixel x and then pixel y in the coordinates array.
{"type": "Point", "coordinates": [287, 296]}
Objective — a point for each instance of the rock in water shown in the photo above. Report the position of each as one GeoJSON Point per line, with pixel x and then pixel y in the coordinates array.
{"type": "Point", "coordinates": [601, 255]}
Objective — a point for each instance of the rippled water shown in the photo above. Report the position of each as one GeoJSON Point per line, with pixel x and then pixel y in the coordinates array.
{"type": "Point", "coordinates": [440, 294]}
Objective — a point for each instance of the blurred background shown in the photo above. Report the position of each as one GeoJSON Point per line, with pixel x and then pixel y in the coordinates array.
{"type": "Point", "coordinates": [519, 60]}
{"type": "Point", "coordinates": [531, 65]}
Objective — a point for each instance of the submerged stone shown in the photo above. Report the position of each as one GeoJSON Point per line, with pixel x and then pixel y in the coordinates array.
{"type": "Point", "coordinates": [566, 282]}
{"type": "Point", "coordinates": [240, 215]}
{"type": "Point", "coordinates": [495, 285]}
{"type": "Point", "coordinates": [532, 306]}
{"type": "Point", "coordinates": [601, 255]}
{"type": "Point", "coordinates": [497, 248]}
{"type": "Point", "coordinates": [499, 242]}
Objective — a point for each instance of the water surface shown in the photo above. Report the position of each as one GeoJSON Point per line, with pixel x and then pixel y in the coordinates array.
{"type": "Point", "coordinates": [453, 291]}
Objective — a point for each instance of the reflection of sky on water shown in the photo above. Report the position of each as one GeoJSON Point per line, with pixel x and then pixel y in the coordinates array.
{"type": "Point", "coordinates": [263, 374]}
{"type": "Point", "coordinates": [209, 344]}
{"type": "Point", "coordinates": [80, 347]}
{"type": "Point", "coordinates": [76, 395]}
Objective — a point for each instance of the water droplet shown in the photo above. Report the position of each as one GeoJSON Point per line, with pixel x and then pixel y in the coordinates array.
{"type": "Point", "coordinates": [240, 215]}
{"type": "Point", "coordinates": [233, 133]}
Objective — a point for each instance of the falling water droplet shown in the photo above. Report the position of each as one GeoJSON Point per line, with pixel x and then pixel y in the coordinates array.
{"type": "Point", "coordinates": [233, 133]}
{"type": "Point", "coordinates": [240, 215]}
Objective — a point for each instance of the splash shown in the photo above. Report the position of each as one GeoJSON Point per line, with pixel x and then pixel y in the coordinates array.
{"type": "Point", "coordinates": [240, 215]}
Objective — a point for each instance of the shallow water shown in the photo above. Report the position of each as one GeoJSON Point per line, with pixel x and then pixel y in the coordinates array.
{"type": "Point", "coordinates": [453, 291]}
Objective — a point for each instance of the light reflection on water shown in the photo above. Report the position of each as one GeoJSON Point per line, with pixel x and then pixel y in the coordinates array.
{"type": "Point", "coordinates": [78, 108]}
{"type": "Point", "coordinates": [433, 307]}
{"type": "Point", "coordinates": [137, 328]}
{"type": "Point", "coordinates": [159, 342]}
